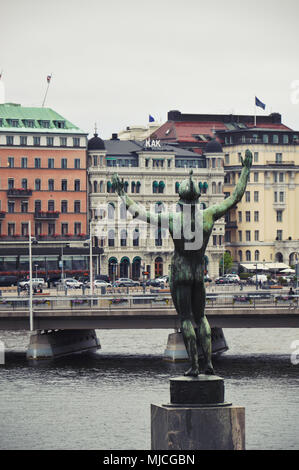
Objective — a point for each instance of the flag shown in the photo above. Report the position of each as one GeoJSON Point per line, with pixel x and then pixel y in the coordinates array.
{"type": "Point", "coordinates": [259, 103]}
{"type": "Point", "coordinates": [49, 78]}
{"type": "Point", "coordinates": [150, 118]}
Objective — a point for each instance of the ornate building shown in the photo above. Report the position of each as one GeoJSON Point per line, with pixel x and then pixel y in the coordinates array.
{"type": "Point", "coordinates": [152, 172]}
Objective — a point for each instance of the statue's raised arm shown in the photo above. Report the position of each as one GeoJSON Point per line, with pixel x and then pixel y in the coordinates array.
{"type": "Point", "coordinates": [134, 208]}
{"type": "Point", "coordinates": [219, 210]}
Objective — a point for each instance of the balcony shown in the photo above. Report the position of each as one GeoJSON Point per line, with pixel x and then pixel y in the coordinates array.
{"type": "Point", "coordinates": [46, 215]}
{"type": "Point", "coordinates": [232, 224]}
{"type": "Point", "coordinates": [13, 192]}
{"type": "Point", "coordinates": [280, 164]}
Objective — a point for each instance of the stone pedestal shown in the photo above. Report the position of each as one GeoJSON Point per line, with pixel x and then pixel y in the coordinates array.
{"type": "Point", "coordinates": [197, 417]}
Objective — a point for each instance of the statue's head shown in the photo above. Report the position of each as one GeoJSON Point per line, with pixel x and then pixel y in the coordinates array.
{"type": "Point", "coordinates": [188, 192]}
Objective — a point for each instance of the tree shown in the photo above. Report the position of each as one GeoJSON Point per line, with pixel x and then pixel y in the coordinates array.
{"type": "Point", "coordinates": [228, 262]}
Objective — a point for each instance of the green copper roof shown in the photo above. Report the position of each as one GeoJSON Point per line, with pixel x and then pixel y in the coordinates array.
{"type": "Point", "coordinates": [16, 117]}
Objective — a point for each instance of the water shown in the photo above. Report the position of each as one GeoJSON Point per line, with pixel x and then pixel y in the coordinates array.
{"type": "Point", "coordinates": [102, 400]}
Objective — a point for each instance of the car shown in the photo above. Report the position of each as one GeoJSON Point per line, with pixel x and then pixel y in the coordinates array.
{"type": "Point", "coordinates": [37, 282]}
{"type": "Point", "coordinates": [258, 278]}
{"type": "Point", "coordinates": [71, 283]}
{"type": "Point", "coordinates": [100, 283]}
{"type": "Point", "coordinates": [126, 282]}
{"type": "Point", "coordinates": [222, 280]}
{"type": "Point", "coordinates": [233, 277]}
{"type": "Point", "coordinates": [155, 283]}
{"type": "Point", "coordinates": [102, 277]}
{"type": "Point", "coordinates": [8, 281]}
{"type": "Point", "coordinates": [207, 278]}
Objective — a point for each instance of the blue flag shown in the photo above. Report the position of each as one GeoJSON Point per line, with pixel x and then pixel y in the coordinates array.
{"type": "Point", "coordinates": [150, 118]}
{"type": "Point", "coordinates": [259, 103]}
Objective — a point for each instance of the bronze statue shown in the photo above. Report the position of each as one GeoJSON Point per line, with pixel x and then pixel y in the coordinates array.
{"type": "Point", "coordinates": [187, 266]}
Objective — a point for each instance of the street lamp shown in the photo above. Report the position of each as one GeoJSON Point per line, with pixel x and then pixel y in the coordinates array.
{"type": "Point", "coordinates": [256, 284]}
{"type": "Point", "coordinates": [90, 259]}
{"type": "Point", "coordinates": [36, 266]}
{"type": "Point", "coordinates": [32, 241]}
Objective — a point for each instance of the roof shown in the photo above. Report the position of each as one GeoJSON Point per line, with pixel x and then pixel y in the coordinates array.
{"type": "Point", "coordinates": [130, 148]}
{"type": "Point", "coordinates": [34, 119]}
{"type": "Point", "coordinates": [96, 143]}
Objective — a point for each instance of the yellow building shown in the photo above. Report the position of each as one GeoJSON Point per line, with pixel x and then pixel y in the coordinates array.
{"type": "Point", "coordinates": [265, 224]}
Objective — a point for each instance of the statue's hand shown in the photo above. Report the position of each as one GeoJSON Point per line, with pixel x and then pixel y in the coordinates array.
{"type": "Point", "coordinates": [247, 162]}
{"type": "Point", "coordinates": [118, 184]}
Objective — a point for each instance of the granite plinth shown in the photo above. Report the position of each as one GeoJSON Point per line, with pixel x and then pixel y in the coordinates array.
{"type": "Point", "coordinates": [203, 389]}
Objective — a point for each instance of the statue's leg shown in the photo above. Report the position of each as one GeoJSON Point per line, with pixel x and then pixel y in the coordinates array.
{"type": "Point", "coordinates": [181, 295]}
{"type": "Point", "coordinates": [204, 329]}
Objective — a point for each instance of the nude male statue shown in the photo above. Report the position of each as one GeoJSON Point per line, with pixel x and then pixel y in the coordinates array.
{"type": "Point", "coordinates": [187, 266]}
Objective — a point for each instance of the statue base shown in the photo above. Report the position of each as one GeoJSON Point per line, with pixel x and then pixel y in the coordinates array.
{"type": "Point", "coordinates": [197, 417]}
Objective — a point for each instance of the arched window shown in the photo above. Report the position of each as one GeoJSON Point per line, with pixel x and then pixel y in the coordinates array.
{"type": "Point", "coordinates": [240, 255]}
{"type": "Point", "coordinates": [111, 211]}
{"type": "Point", "coordinates": [124, 267]}
{"type": "Point", "coordinates": [158, 266]}
{"type": "Point", "coordinates": [122, 211]}
{"type": "Point", "coordinates": [136, 265]}
{"type": "Point", "coordinates": [133, 187]}
{"type": "Point", "coordinates": [126, 186]}
{"type": "Point", "coordinates": [109, 187]}
{"type": "Point", "coordinates": [101, 186]}
{"type": "Point", "coordinates": [248, 255]}
{"type": "Point", "coordinates": [205, 187]}
{"type": "Point", "coordinates": [279, 257]}
{"type": "Point", "coordinates": [219, 188]}
{"type": "Point", "coordinates": [111, 238]}
{"type": "Point", "coordinates": [161, 187]}
{"type": "Point", "coordinates": [136, 237]}
{"type": "Point", "coordinates": [138, 184]}
{"type": "Point", "coordinates": [95, 186]}
{"type": "Point", "coordinates": [155, 187]}
{"type": "Point", "coordinates": [123, 237]}
{"type": "Point", "coordinates": [177, 187]}
{"type": "Point", "coordinates": [213, 187]}
{"type": "Point", "coordinates": [112, 268]}
{"type": "Point", "coordinates": [256, 255]}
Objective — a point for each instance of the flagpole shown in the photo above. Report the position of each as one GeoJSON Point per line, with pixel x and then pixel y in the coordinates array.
{"type": "Point", "coordinates": [254, 113]}
{"type": "Point", "coordinates": [47, 90]}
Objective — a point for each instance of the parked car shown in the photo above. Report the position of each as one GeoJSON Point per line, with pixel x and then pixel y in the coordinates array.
{"type": "Point", "coordinates": [259, 278]}
{"type": "Point", "coordinates": [233, 277]}
{"type": "Point", "coordinates": [8, 281]}
{"type": "Point", "coordinates": [102, 277]}
{"type": "Point", "coordinates": [71, 283]}
{"type": "Point", "coordinates": [100, 283]}
{"type": "Point", "coordinates": [222, 280]}
{"type": "Point", "coordinates": [155, 283]}
{"type": "Point", "coordinates": [37, 282]}
{"type": "Point", "coordinates": [126, 282]}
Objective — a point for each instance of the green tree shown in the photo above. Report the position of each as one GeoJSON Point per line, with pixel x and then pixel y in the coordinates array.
{"type": "Point", "coordinates": [228, 262]}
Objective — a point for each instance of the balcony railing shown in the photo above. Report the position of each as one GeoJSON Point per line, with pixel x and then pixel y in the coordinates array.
{"type": "Point", "coordinates": [272, 162]}
{"type": "Point", "coordinates": [13, 192]}
{"type": "Point", "coordinates": [46, 215]}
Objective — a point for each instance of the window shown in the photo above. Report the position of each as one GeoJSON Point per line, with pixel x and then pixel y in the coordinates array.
{"type": "Point", "coordinates": [281, 177]}
{"type": "Point", "coordinates": [214, 240]}
{"type": "Point", "coordinates": [63, 185]}
{"type": "Point", "coordinates": [37, 184]}
{"type": "Point", "coordinates": [24, 162]}
{"type": "Point", "coordinates": [123, 238]}
{"type": "Point", "coordinates": [77, 228]}
{"type": "Point", "coordinates": [9, 140]}
{"type": "Point", "coordinates": [77, 185]}
{"type": "Point", "coordinates": [37, 206]}
{"type": "Point", "coordinates": [240, 235]}
{"type": "Point", "coordinates": [227, 236]}
{"type": "Point", "coordinates": [64, 229]}
{"type": "Point", "coordinates": [76, 142]}
{"type": "Point", "coordinates": [37, 163]}
{"type": "Point", "coordinates": [36, 141]}
{"type": "Point", "coordinates": [24, 206]}
{"type": "Point", "coordinates": [24, 183]}
{"type": "Point", "coordinates": [11, 229]}
{"type": "Point", "coordinates": [247, 196]}
{"type": "Point", "coordinates": [248, 236]}
{"type": "Point", "coordinates": [265, 138]}
{"type": "Point", "coordinates": [247, 216]}
{"type": "Point", "coordinates": [256, 196]}
{"type": "Point", "coordinates": [255, 177]}
{"type": "Point", "coordinates": [38, 228]}
{"type": "Point", "coordinates": [11, 162]}
{"type": "Point", "coordinates": [256, 255]}
{"type": "Point", "coordinates": [10, 183]}
{"type": "Point", "coordinates": [50, 141]}
{"type": "Point", "coordinates": [256, 235]}
{"type": "Point", "coordinates": [281, 196]}
{"type": "Point", "coordinates": [51, 228]}
{"type": "Point", "coordinates": [63, 207]}
{"type": "Point", "coordinates": [51, 185]}
{"type": "Point", "coordinates": [111, 238]}
{"type": "Point", "coordinates": [23, 140]}
{"type": "Point", "coordinates": [64, 163]}
{"type": "Point", "coordinates": [240, 216]}
{"type": "Point", "coordinates": [50, 162]}
{"type": "Point", "coordinates": [240, 255]}
{"type": "Point", "coordinates": [275, 139]}
{"type": "Point", "coordinates": [77, 163]}
{"type": "Point", "coordinates": [256, 216]}
{"type": "Point", "coordinates": [226, 158]}
{"type": "Point", "coordinates": [279, 235]}
{"type": "Point", "coordinates": [279, 216]}
{"type": "Point", "coordinates": [248, 255]}
{"type": "Point", "coordinates": [77, 207]}
{"type": "Point", "coordinates": [275, 196]}
{"type": "Point", "coordinates": [239, 157]}
{"type": "Point", "coordinates": [24, 229]}
{"type": "Point", "coordinates": [63, 141]}
{"type": "Point", "coordinates": [256, 157]}
{"type": "Point", "coordinates": [285, 139]}
{"type": "Point", "coordinates": [278, 158]}
{"type": "Point", "coordinates": [136, 237]}
{"type": "Point", "coordinates": [45, 124]}
{"type": "Point", "coordinates": [275, 177]}
{"type": "Point", "coordinates": [10, 207]}
{"type": "Point", "coordinates": [51, 206]}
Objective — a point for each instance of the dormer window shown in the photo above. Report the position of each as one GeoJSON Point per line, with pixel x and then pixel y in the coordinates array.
{"type": "Point", "coordinates": [13, 122]}
{"type": "Point", "coordinates": [59, 124]}
{"type": "Point", "coordinates": [44, 124]}
{"type": "Point", "coordinates": [28, 123]}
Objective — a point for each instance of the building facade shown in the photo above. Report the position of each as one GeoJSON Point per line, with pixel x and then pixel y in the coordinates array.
{"type": "Point", "coordinates": [263, 227]}
{"type": "Point", "coordinates": [43, 182]}
{"type": "Point", "coordinates": [152, 173]}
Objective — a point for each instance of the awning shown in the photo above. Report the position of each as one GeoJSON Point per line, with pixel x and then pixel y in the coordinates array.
{"type": "Point", "coordinates": [265, 266]}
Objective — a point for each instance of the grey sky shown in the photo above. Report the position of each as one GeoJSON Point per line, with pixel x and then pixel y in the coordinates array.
{"type": "Point", "coordinates": [116, 61]}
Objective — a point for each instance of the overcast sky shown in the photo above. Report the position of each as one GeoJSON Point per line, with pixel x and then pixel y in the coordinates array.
{"type": "Point", "coordinates": [115, 61]}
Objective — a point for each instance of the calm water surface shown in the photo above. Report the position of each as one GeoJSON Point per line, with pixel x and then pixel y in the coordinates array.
{"type": "Point", "coordinates": [102, 400]}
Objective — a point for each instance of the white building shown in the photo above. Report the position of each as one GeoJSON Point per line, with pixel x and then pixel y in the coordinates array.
{"type": "Point", "coordinates": [152, 173]}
